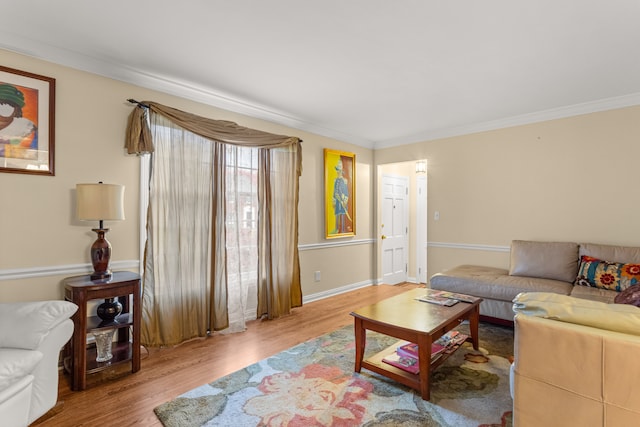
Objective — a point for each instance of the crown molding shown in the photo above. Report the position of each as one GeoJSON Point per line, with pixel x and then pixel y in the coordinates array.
{"type": "Point", "coordinates": [182, 89]}
{"type": "Point", "coordinates": [209, 96]}
{"type": "Point", "coordinates": [524, 119]}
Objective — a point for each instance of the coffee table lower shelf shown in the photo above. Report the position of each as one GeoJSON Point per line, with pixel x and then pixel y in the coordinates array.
{"type": "Point", "coordinates": [375, 364]}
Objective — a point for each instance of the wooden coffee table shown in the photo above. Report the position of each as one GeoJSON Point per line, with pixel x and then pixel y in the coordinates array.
{"type": "Point", "coordinates": [420, 322]}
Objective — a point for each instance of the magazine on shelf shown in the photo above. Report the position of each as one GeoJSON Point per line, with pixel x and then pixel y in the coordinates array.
{"type": "Point", "coordinates": [411, 350]}
{"type": "Point", "coordinates": [408, 364]}
{"type": "Point", "coordinates": [444, 344]}
{"type": "Point", "coordinates": [452, 340]}
{"type": "Point", "coordinates": [406, 354]}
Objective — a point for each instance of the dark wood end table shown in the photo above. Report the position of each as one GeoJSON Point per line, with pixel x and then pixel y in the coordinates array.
{"type": "Point", "coordinates": [80, 360]}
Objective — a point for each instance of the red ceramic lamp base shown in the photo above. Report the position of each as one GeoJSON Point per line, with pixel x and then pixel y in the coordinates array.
{"type": "Point", "coordinates": [100, 256]}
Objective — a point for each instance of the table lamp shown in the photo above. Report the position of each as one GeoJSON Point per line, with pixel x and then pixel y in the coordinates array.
{"type": "Point", "coordinates": [100, 202]}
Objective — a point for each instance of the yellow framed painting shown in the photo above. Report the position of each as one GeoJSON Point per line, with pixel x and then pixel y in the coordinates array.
{"type": "Point", "coordinates": [339, 193]}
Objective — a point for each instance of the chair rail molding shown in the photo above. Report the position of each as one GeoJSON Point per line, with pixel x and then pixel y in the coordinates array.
{"type": "Point", "coordinates": [469, 246]}
{"type": "Point", "coordinates": [335, 244]}
{"type": "Point", "coordinates": [57, 270]}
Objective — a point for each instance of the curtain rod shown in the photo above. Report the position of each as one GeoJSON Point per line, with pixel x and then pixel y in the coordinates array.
{"type": "Point", "coordinates": [140, 104]}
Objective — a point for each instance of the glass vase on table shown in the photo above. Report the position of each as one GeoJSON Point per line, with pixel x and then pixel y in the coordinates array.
{"type": "Point", "coordinates": [104, 341]}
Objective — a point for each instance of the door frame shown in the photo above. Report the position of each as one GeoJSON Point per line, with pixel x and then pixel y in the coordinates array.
{"type": "Point", "coordinates": [421, 228]}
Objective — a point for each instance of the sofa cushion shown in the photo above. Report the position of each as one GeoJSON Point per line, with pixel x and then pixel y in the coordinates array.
{"type": "Point", "coordinates": [606, 274]}
{"type": "Point", "coordinates": [493, 283]}
{"type": "Point", "coordinates": [612, 317]}
{"type": "Point", "coordinates": [593, 294]}
{"type": "Point", "coordinates": [545, 260]}
{"type": "Point", "coordinates": [15, 364]}
{"type": "Point", "coordinates": [26, 324]}
{"type": "Point", "coordinates": [622, 254]}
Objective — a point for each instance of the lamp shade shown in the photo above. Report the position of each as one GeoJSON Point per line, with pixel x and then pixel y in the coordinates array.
{"type": "Point", "coordinates": [96, 202]}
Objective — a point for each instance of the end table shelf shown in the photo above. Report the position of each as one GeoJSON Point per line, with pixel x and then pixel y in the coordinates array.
{"type": "Point", "coordinates": [80, 358]}
{"type": "Point", "coordinates": [122, 353]}
{"type": "Point", "coordinates": [94, 323]}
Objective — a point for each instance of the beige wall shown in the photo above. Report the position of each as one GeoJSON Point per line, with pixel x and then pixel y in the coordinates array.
{"type": "Point", "coordinates": [569, 179]}
{"type": "Point", "coordinates": [572, 179]}
{"type": "Point", "coordinates": [41, 242]}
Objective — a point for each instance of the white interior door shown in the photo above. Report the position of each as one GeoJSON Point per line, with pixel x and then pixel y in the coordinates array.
{"type": "Point", "coordinates": [394, 228]}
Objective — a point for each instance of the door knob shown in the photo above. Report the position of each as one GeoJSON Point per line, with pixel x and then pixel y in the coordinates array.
{"type": "Point", "coordinates": [383, 237]}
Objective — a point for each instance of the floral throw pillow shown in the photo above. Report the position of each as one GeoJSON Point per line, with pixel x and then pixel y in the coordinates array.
{"type": "Point", "coordinates": [601, 274]}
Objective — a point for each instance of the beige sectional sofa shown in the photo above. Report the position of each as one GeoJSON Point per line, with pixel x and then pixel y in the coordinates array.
{"type": "Point", "coordinates": [535, 267]}
{"type": "Point", "coordinates": [575, 362]}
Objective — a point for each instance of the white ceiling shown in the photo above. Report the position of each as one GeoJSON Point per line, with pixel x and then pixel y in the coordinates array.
{"type": "Point", "coordinates": [375, 73]}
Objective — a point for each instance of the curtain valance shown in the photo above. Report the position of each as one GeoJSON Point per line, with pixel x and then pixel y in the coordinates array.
{"type": "Point", "coordinates": [138, 136]}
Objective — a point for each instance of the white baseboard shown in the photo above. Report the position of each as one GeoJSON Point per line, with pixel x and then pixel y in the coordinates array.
{"type": "Point", "coordinates": [347, 288]}
{"type": "Point", "coordinates": [335, 291]}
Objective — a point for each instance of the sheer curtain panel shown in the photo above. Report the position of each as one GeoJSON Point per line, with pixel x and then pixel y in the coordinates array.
{"type": "Point", "coordinates": [178, 250]}
{"type": "Point", "coordinates": [222, 227]}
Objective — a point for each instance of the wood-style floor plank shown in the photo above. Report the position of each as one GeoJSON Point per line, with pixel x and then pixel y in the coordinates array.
{"type": "Point", "coordinates": [116, 398]}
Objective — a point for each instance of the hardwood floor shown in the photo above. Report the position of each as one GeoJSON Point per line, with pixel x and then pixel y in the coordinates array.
{"type": "Point", "coordinates": [128, 399]}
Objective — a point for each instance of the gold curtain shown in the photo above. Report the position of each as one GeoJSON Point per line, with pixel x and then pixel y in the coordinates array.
{"type": "Point", "coordinates": [138, 137]}
{"type": "Point", "coordinates": [278, 186]}
{"type": "Point", "coordinates": [279, 287]}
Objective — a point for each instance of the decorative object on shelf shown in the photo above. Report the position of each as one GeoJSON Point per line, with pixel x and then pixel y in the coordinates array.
{"type": "Point", "coordinates": [100, 202]}
{"type": "Point", "coordinates": [109, 309]}
{"type": "Point", "coordinates": [104, 340]}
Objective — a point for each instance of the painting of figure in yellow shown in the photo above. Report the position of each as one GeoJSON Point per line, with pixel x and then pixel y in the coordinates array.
{"type": "Point", "coordinates": [339, 181]}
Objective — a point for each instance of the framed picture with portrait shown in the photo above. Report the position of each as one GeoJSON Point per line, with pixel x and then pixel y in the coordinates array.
{"type": "Point", "coordinates": [27, 122]}
{"type": "Point", "coordinates": [339, 193]}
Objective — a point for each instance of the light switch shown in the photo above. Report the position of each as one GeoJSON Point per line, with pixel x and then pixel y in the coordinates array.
{"type": "Point", "coordinates": [436, 215]}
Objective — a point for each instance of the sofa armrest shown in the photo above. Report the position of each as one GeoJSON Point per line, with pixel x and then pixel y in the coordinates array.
{"type": "Point", "coordinates": [45, 384]}
{"type": "Point", "coordinates": [15, 401]}
{"type": "Point", "coordinates": [622, 318]}
{"type": "Point", "coordinates": [571, 374]}
{"type": "Point", "coordinates": [15, 364]}
{"type": "Point", "coordinates": [26, 324]}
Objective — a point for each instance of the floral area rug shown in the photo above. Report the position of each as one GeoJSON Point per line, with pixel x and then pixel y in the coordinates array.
{"type": "Point", "coordinates": [313, 384]}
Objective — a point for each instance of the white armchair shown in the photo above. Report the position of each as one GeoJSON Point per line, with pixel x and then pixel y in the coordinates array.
{"type": "Point", "coordinates": [31, 337]}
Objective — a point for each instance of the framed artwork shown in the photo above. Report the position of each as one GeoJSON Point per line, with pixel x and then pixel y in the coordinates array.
{"type": "Point", "coordinates": [27, 122]}
{"type": "Point", "coordinates": [339, 193]}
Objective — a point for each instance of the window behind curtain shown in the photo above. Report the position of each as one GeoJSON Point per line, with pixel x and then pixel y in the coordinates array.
{"type": "Point", "coordinates": [242, 234]}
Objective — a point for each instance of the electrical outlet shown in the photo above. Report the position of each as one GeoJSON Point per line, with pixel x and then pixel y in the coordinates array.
{"type": "Point", "coordinates": [316, 276]}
